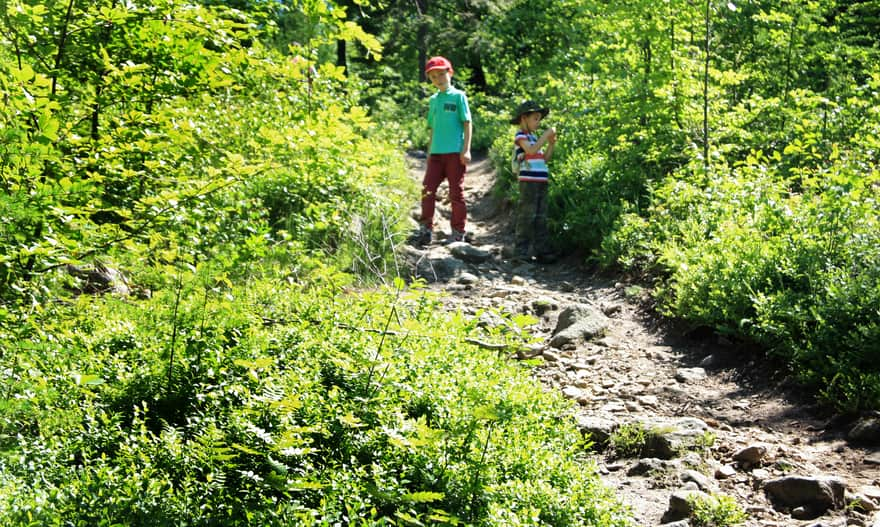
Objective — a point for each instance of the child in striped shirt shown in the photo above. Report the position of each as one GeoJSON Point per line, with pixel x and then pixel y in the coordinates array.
{"type": "Point", "coordinates": [532, 152]}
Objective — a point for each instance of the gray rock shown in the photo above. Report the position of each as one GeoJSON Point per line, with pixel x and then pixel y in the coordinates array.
{"type": "Point", "coordinates": [573, 392]}
{"type": "Point", "coordinates": [702, 481]}
{"type": "Point", "coordinates": [816, 494]}
{"type": "Point", "coordinates": [468, 253]}
{"type": "Point", "coordinates": [725, 472]}
{"type": "Point", "coordinates": [671, 437]}
{"type": "Point", "coordinates": [760, 474]}
{"type": "Point", "coordinates": [518, 280]}
{"type": "Point", "coordinates": [872, 492]}
{"type": "Point", "coordinates": [598, 429]}
{"type": "Point", "coordinates": [433, 269]}
{"type": "Point", "coordinates": [686, 375]}
{"type": "Point", "coordinates": [866, 431]}
{"type": "Point", "coordinates": [650, 466]}
{"type": "Point", "coordinates": [803, 513]}
{"type": "Point", "coordinates": [578, 322]}
{"type": "Point", "coordinates": [100, 279]}
{"type": "Point", "coordinates": [710, 361]}
{"type": "Point", "coordinates": [543, 305]}
{"type": "Point", "coordinates": [529, 351]}
{"type": "Point", "coordinates": [833, 523]}
{"type": "Point", "coordinates": [611, 309]}
{"type": "Point", "coordinates": [550, 356]}
{"type": "Point", "coordinates": [490, 319]}
{"type": "Point", "coordinates": [468, 278]}
{"type": "Point", "coordinates": [751, 455]}
{"type": "Point", "coordinates": [680, 505]}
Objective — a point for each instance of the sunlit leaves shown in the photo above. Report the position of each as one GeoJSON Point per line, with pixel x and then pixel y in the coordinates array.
{"type": "Point", "coordinates": [352, 31]}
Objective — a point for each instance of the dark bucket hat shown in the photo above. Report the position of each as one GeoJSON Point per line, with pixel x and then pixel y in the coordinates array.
{"type": "Point", "coordinates": [528, 107]}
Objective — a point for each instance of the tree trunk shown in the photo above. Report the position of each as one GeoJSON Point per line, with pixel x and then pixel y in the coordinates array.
{"type": "Point", "coordinates": [706, 94]}
{"type": "Point", "coordinates": [341, 55]}
{"type": "Point", "coordinates": [422, 37]}
{"type": "Point", "coordinates": [786, 85]}
{"type": "Point", "coordinates": [478, 76]}
{"type": "Point", "coordinates": [647, 54]}
{"type": "Point", "coordinates": [61, 41]}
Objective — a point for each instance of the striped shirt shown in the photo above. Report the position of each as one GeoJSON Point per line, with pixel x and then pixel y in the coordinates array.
{"type": "Point", "coordinates": [532, 167]}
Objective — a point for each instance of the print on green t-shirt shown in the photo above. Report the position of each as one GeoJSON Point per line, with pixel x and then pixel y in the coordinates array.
{"type": "Point", "coordinates": [447, 113]}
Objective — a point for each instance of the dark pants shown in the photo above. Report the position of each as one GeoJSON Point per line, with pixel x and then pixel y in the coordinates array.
{"type": "Point", "coordinates": [531, 219]}
{"type": "Point", "coordinates": [450, 168]}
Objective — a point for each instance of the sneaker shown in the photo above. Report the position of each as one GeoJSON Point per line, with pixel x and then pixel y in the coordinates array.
{"type": "Point", "coordinates": [457, 236]}
{"type": "Point", "coordinates": [421, 237]}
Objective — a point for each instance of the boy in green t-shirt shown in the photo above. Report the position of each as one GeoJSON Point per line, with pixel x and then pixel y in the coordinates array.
{"type": "Point", "coordinates": [449, 151]}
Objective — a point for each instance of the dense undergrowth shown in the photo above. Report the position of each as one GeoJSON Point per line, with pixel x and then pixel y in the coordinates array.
{"type": "Point", "coordinates": [250, 362]}
{"type": "Point", "coordinates": [723, 156]}
{"type": "Point", "coordinates": [240, 169]}
{"type": "Point", "coordinates": [282, 402]}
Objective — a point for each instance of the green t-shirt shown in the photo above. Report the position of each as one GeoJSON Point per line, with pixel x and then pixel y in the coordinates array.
{"type": "Point", "coordinates": [447, 113]}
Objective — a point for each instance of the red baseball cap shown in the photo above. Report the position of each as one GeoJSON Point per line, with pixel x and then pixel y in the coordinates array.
{"type": "Point", "coordinates": [438, 63]}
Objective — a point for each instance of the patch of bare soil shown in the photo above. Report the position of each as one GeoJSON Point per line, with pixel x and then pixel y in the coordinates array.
{"type": "Point", "coordinates": [645, 369]}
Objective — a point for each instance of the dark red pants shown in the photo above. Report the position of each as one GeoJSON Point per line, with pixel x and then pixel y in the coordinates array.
{"type": "Point", "coordinates": [450, 168]}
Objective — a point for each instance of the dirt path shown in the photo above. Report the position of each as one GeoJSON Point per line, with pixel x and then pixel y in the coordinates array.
{"type": "Point", "coordinates": [644, 370]}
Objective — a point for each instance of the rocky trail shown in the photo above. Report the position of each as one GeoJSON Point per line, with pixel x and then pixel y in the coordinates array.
{"type": "Point", "coordinates": [720, 423]}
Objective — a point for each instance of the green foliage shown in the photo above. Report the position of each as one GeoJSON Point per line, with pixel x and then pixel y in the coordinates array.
{"type": "Point", "coordinates": [280, 402]}
{"type": "Point", "coordinates": [722, 151]}
{"type": "Point", "coordinates": [168, 136]}
{"type": "Point", "coordinates": [716, 511]}
{"type": "Point", "coordinates": [786, 262]}
{"type": "Point", "coordinates": [226, 156]}
{"type": "Point", "coordinates": [630, 439]}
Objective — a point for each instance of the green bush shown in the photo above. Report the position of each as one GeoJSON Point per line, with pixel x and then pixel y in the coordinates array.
{"type": "Point", "coordinates": [630, 440]}
{"type": "Point", "coordinates": [716, 511]}
{"type": "Point", "coordinates": [288, 404]}
{"type": "Point", "coordinates": [787, 262]}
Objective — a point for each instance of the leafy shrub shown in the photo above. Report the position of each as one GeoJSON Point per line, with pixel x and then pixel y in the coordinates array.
{"type": "Point", "coordinates": [288, 404]}
{"type": "Point", "coordinates": [630, 439]}
{"type": "Point", "coordinates": [716, 511]}
{"type": "Point", "coordinates": [787, 263]}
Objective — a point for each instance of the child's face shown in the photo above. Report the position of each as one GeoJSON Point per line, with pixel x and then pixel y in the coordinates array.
{"type": "Point", "coordinates": [439, 78]}
{"type": "Point", "coordinates": [532, 120]}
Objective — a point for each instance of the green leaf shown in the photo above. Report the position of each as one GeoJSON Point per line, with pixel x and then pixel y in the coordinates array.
{"type": "Point", "coordinates": [247, 449]}
{"type": "Point", "coordinates": [25, 74]}
{"type": "Point", "coordinates": [522, 320]}
{"type": "Point", "coordinates": [487, 412]}
{"type": "Point", "coordinates": [87, 380]}
{"type": "Point", "coordinates": [409, 519]}
{"type": "Point", "coordinates": [305, 485]}
{"type": "Point", "coordinates": [350, 420]}
{"type": "Point", "coordinates": [423, 497]}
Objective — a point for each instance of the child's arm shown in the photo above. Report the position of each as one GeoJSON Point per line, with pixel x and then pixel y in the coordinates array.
{"type": "Point", "coordinates": [466, 148]}
{"type": "Point", "coordinates": [535, 148]}
{"type": "Point", "coordinates": [551, 142]}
